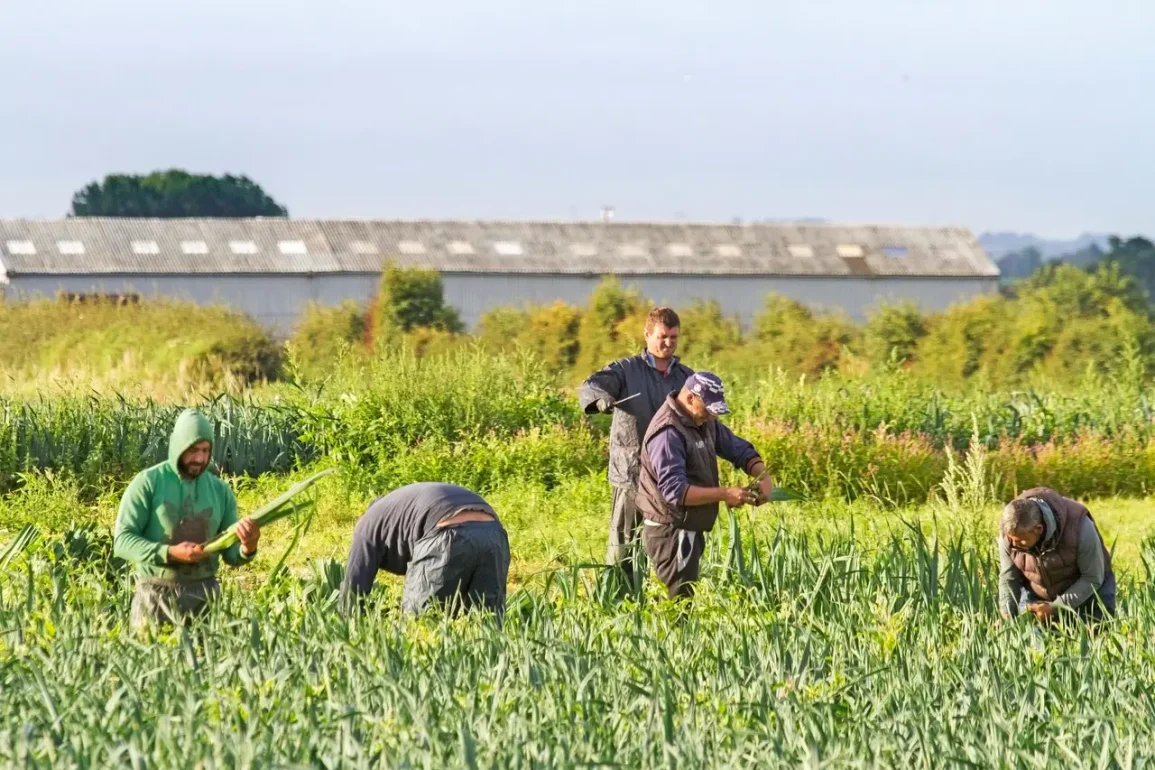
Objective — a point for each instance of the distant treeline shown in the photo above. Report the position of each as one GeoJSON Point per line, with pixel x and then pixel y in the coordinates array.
{"type": "Point", "coordinates": [1047, 330]}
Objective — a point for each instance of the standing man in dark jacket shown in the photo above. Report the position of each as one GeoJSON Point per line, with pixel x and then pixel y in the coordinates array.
{"type": "Point", "coordinates": [1052, 558]}
{"type": "Point", "coordinates": [678, 492]}
{"type": "Point", "coordinates": [634, 389]}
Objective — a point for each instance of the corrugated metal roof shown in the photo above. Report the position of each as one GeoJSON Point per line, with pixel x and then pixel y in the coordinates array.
{"type": "Point", "coordinates": [597, 248]}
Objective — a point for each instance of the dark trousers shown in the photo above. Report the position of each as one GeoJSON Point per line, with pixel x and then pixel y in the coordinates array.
{"type": "Point", "coordinates": [465, 566]}
{"type": "Point", "coordinates": [677, 556]}
{"type": "Point", "coordinates": [625, 548]}
{"type": "Point", "coordinates": [163, 601]}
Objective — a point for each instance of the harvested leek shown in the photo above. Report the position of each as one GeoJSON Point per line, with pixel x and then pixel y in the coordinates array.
{"type": "Point", "coordinates": [777, 494]}
{"type": "Point", "coordinates": [270, 512]}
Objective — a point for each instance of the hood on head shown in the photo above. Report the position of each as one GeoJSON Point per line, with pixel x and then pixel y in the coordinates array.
{"type": "Point", "coordinates": [191, 426]}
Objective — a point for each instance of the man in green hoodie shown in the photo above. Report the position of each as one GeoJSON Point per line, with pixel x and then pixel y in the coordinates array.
{"type": "Point", "coordinates": [167, 514]}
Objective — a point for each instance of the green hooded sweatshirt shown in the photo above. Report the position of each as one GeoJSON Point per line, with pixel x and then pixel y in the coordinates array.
{"type": "Point", "coordinates": [161, 508]}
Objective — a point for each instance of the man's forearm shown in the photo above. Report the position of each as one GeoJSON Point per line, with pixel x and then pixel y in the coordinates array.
{"type": "Point", "coordinates": [1075, 596]}
{"type": "Point", "coordinates": [1008, 600]}
{"type": "Point", "coordinates": [703, 495]}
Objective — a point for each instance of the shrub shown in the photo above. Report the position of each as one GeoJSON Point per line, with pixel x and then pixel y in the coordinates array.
{"type": "Point", "coordinates": [892, 334]}
{"type": "Point", "coordinates": [166, 342]}
{"type": "Point", "coordinates": [603, 334]}
{"type": "Point", "coordinates": [409, 299]}
{"type": "Point", "coordinates": [791, 336]}
{"type": "Point", "coordinates": [707, 332]}
{"type": "Point", "coordinates": [324, 334]}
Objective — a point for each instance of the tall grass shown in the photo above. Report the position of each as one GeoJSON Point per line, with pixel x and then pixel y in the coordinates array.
{"type": "Point", "coordinates": [476, 418]}
{"type": "Point", "coordinates": [96, 439]}
{"type": "Point", "coordinates": [467, 415]}
{"type": "Point", "coordinates": [902, 402]}
{"type": "Point", "coordinates": [157, 346]}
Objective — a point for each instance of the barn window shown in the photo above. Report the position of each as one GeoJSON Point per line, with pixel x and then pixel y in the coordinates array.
{"type": "Point", "coordinates": [729, 250]}
{"type": "Point", "coordinates": [243, 247]}
{"type": "Point", "coordinates": [460, 247]}
{"type": "Point", "coordinates": [70, 247]}
{"type": "Point", "coordinates": [800, 251]}
{"type": "Point", "coordinates": [411, 247]}
{"type": "Point", "coordinates": [293, 247]}
{"type": "Point", "coordinates": [849, 250]}
{"type": "Point", "coordinates": [363, 247]}
{"type": "Point", "coordinates": [631, 251]}
{"type": "Point", "coordinates": [21, 247]}
{"type": "Point", "coordinates": [508, 248]}
{"type": "Point", "coordinates": [145, 247]}
{"type": "Point", "coordinates": [194, 247]}
{"type": "Point", "coordinates": [896, 252]}
{"type": "Point", "coordinates": [680, 250]}
{"type": "Point", "coordinates": [583, 249]}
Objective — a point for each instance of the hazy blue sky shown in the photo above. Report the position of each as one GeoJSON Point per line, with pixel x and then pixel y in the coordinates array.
{"type": "Point", "coordinates": [1025, 115]}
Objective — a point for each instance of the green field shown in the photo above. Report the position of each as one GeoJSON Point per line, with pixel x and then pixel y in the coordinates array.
{"type": "Point", "coordinates": [857, 629]}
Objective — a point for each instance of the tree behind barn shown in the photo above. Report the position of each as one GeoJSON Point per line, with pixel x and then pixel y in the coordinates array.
{"type": "Point", "coordinates": [175, 193]}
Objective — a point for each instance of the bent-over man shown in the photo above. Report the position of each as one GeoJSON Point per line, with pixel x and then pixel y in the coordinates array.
{"type": "Point", "coordinates": [446, 540]}
{"type": "Point", "coordinates": [166, 515]}
{"type": "Point", "coordinates": [1052, 558]}
{"type": "Point", "coordinates": [678, 492]}
{"type": "Point", "coordinates": [645, 380]}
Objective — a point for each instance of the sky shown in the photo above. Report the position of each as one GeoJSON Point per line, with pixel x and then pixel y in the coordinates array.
{"type": "Point", "coordinates": [1026, 116]}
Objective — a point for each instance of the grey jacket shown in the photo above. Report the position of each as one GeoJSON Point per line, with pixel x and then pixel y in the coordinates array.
{"type": "Point", "coordinates": [622, 379]}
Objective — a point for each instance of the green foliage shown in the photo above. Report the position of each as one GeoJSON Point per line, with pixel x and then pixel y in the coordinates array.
{"type": "Point", "coordinates": [475, 417]}
{"type": "Point", "coordinates": [892, 333]}
{"type": "Point", "coordinates": [94, 440]}
{"type": "Point", "coordinates": [1134, 257]}
{"type": "Point", "coordinates": [789, 335]}
{"type": "Point", "coordinates": [326, 334]}
{"type": "Point", "coordinates": [552, 335]}
{"type": "Point", "coordinates": [410, 299]}
{"type": "Point", "coordinates": [401, 411]}
{"type": "Point", "coordinates": [499, 328]}
{"type": "Point", "coordinates": [1019, 264]}
{"type": "Point", "coordinates": [1059, 323]}
{"type": "Point", "coordinates": [610, 327]}
{"type": "Point", "coordinates": [174, 193]}
{"type": "Point", "coordinates": [161, 345]}
{"type": "Point", "coordinates": [801, 649]}
{"type": "Point", "coordinates": [707, 331]}
{"type": "Point", "coordinates": [959, 341]}
{"type": "Point", "coordinates": [550, 332]}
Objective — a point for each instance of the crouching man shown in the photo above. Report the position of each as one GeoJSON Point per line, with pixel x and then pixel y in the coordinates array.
{"type": "Point", "coordinates": [166, 515]}
{"type": "Point", "coordinates": [1052, 559]}
{"type": "Point", "coordinates": [678, 492]}
{"type": "Point", "coordinates": [446, 541]}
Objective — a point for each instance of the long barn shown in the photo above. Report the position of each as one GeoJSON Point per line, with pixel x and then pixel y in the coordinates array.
{"type": "Point", "coordinates": [272, 268]}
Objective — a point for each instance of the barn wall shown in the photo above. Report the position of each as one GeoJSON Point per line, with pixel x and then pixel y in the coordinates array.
{"type": "Point", "coordinates": [276, 301]}
{"type": "Point", "coordinates": [742, 295]}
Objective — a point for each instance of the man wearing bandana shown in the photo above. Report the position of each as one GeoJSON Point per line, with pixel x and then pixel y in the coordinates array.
{"type": "Point", "coordinates": [678, 491]}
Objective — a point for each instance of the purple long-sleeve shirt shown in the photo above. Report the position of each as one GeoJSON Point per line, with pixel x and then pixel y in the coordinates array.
{"type": "Point", "coordinates": [667, 451]}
